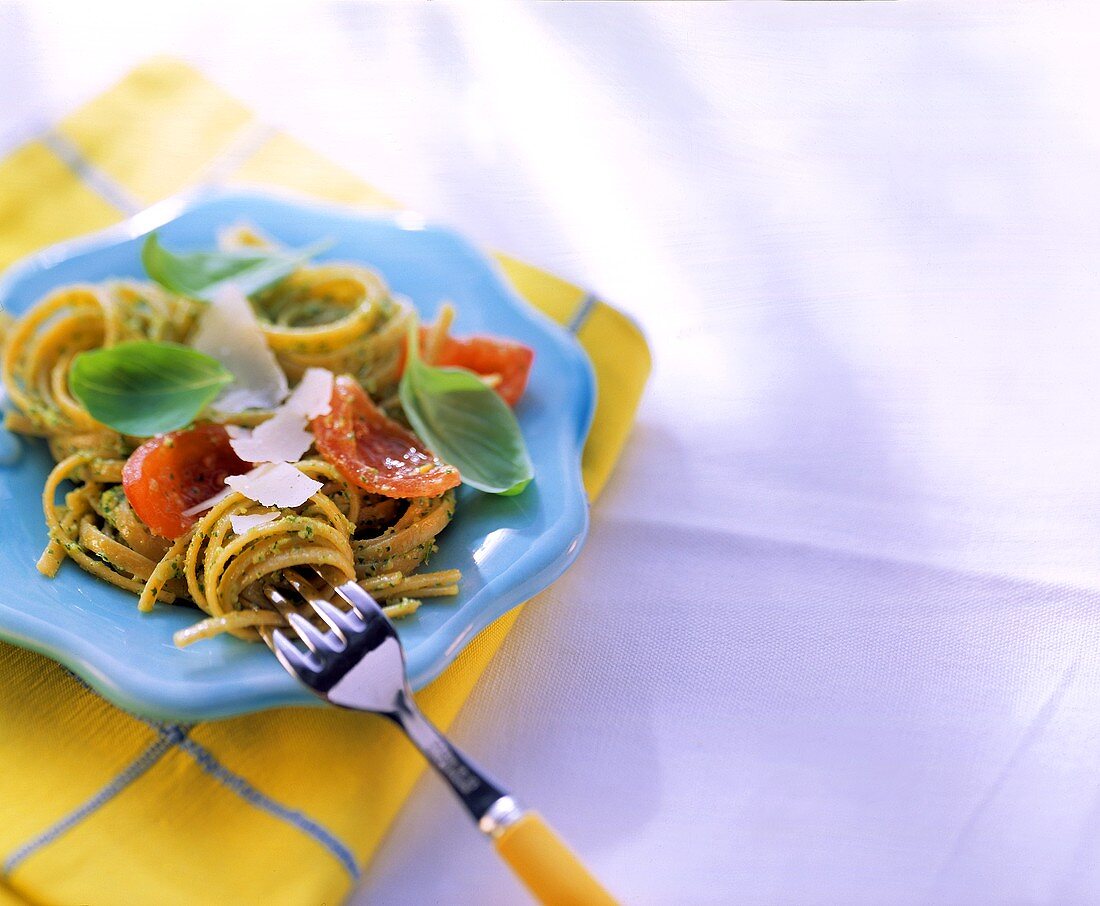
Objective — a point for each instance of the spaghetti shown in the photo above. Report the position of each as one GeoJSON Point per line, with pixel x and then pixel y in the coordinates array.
{"type": "Point", "coordinates": [337, 316]}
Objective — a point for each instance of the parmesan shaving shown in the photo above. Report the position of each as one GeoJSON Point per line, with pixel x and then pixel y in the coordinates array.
{"type": "Point", "coordinates": [313, 395]}
{"type": "Point", "coordinates": [284, 437]}
{"type": "Point", "coordinates": [275, 484]}
{"type": "Point", "coordinates": [272, 484]}
{"type": "Point", "coordinates": [230, 332]}
{"type": "Point", "coordinates": [274, 444]}
{"type": "Point", "coordinates": [242, 524]}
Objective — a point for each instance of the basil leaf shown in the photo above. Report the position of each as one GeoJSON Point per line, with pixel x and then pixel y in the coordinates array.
{"type": "Point", "coordinates": [466, 424]}
{"type": "Point", "coordinates": [144, 388]}
{"type": "Point", "coordinates": [200, 274]}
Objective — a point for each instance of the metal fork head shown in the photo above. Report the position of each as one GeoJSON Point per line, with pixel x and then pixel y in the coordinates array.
{"type": "Point", "coordinates": [357, 662]}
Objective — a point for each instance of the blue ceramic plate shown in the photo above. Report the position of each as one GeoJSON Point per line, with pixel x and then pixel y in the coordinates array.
{"type": "Point", "coordinates": [508, 548]}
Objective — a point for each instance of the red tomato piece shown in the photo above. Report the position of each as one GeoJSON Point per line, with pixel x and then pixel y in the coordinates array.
{"type": "Point", "coordinates": [374, 452]}
{"type": "Point", "coordinates": [506, 361]}
{"type": "Point", "coordinates": [488, 356]}
{"type": "Point", "coordinates": [172, 472]}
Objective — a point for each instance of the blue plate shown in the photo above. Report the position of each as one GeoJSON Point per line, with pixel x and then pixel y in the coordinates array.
{"type": "Point", "coordinates": [508, 548]}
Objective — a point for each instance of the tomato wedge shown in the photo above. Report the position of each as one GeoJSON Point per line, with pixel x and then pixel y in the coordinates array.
{"type": "Point", "coordinates": [172, 472]}
{"type": "Point", "coordinates": [374, 452]}
{"type": "Point", "coordinates": [506, 361]}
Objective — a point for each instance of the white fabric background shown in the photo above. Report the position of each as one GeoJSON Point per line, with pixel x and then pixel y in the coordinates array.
{"type": "Point", "coordinates": [834, 637]}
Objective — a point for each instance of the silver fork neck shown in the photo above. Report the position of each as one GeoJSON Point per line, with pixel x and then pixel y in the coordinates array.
{"type": "Point", "coordinates": [490, 806]}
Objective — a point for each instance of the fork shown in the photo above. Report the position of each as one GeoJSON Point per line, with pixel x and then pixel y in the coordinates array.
{"type": "Point", "coordinates": [358, 662]}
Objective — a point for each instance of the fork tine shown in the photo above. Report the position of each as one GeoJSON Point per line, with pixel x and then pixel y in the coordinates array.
{"type": "Point", "coordinates": [341, 621]}
{"type": "Point", "coordinates": [313, 638]}
{"type": "Point", "coordinates": [361, 601]}
{"type": "Point", "coordinates": [264, 631]}
{"type": "Point", "coordinates": [337, 619]}
{"type": "Point", "coordinates": [301, 584]}
{"type": "Point", "coordinates": [276, 597]}
{"type": "Point", "coordinates": [301, 665]}
{"type": "Point", "coordinates": [334, 588]}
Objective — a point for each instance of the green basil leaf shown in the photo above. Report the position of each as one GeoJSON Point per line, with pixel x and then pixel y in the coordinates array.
{"type": "Point", "coordinates": [467, 424]}
{"type": "Point", "coordinates": [200, 274]}
{"type": "Point", "coordinates": [144, 388]}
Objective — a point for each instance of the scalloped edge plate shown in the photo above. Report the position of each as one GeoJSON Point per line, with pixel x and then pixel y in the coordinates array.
{"type": "Point", "coordinates": [508, 548]}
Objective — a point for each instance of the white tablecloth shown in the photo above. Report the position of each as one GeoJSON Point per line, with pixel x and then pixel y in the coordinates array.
{"type": "Point", "coordinates": [834, 636]}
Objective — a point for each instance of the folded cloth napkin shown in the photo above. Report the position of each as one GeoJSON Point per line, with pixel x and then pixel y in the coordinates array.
{"type": "Point", "coordinates": [284, 806]}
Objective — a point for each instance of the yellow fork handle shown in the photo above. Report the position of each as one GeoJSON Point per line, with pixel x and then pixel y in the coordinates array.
{"type": "Point", "coordinates": [549, 868]}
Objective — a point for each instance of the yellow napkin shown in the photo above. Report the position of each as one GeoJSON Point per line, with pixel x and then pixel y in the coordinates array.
{"type": "Point", "coordinates": [98, 806]}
